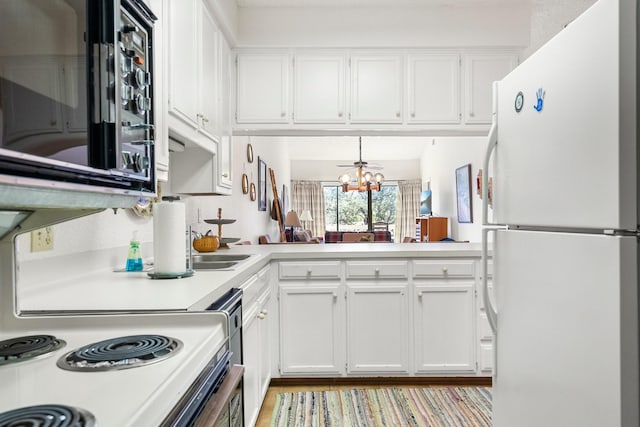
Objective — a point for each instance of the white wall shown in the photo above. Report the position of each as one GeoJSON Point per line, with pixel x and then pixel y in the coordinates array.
{"type": "Point", "coordinates": [250, 223]}
{"type": "Point", "coordinates": [406, 26]}
{"type": "Point", "coordinates": [440, 160]}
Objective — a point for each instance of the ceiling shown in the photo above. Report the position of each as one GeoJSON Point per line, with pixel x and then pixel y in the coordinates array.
{"type": "Point", "coordinates": [370, 3]}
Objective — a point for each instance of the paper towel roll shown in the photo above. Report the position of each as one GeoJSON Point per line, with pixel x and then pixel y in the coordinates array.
{"type": "Point", "coordinates": [169, 247]}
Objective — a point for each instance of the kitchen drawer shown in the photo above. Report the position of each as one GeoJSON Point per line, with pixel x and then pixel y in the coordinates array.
{"type": "Point", "coordinates": [310, 270]}
{"type": "Point", "coordinates": [253, 286]}
{"type": "Point", "coordinates": [444, 269]}
{"type": "Point", "coordinates": [377, 269]}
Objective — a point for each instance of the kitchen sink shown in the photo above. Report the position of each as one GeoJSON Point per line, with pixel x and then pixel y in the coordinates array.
{"type": "Point", "coordinates": [217, 261]}
{"type": "Point", "coordinates": [213, 265]}
{"type": "Point", "coordinates": [218, 257]}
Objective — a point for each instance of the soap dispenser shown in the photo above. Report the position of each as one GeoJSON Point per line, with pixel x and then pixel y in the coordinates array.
{"type": "Point", "coordinates": [134, 260]}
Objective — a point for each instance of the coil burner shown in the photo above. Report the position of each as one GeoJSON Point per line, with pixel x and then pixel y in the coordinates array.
{"type": "Point", "coordinates": [25, 348]}
{"type": "Point", "coordinates": [47, 415]}
{"type": "Point", "coordinates": [120, 353]}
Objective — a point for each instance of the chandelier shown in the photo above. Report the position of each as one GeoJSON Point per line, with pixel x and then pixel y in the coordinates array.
{"type": "Point", "coordinates": [365, 179]}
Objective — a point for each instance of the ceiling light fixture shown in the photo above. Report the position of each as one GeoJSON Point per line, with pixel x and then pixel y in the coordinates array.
{"type": "Point", "coordinates": [365, 180]}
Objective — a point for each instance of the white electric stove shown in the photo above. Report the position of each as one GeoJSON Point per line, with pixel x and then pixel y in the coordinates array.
{"type": "Point", "coordinates": [121, 396]}
{"type": "Point", "coordinates": [193, 350]}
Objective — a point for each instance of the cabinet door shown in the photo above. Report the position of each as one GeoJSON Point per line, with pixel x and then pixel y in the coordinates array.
{"type": "Point", "coordinates": [263, 88]}
{"type": "Point", "coordinates": [434, 88]}
{"type": "Point", "coordinates": [225, 152]}
{"type": "Point", "coordinates": [311, 323]}
{"type": "Point", "coordinates": [378, 329]}
{"type": "Point", "coordinates": [183, 61]}
{"type": "Point", "coordinates": [160, 63]}
{"type": "Point", "coordinates": [208, 90]}
{"type": "Point", "coordinates": [265, 343]}
{"type": "Point", "coordinates": [319, 89]}
{"type": "Point", "coordinates": [445, 339]}
{"type": "Point", "coordinates": [480, 73]}
{"type": "Point", "coordinates": [376, 89]}
{"type": "Point", "coordinates": [251, 361]}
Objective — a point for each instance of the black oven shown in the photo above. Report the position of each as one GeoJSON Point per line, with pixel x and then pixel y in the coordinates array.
{"type": "Point", "coordinates": [76, 92]}
{"type": "Point", "coordinates": [216, 397]}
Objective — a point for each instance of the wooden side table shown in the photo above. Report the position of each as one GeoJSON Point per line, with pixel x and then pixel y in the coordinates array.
{"type": "Point", "coordinates": [432, 229]}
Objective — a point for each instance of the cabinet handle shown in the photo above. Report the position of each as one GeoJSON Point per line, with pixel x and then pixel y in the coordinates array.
{"type": "Point", "coordinates": [260, 316]}
{"type": "Point", "coordinates": [335, 296]}
{"type": "Point", "coordinates": [420, 294]}
{"type": "Point", "coordinates": [445, 270]}
{"type": "Point", "coordinates": [53, 122]}
{"type": "Point", "coordinates": [377, 271]}
{"type": "Point", "coordinates": [308, 272]}
{"type": "Point", "coordinates": [340, 114]}
{"type": "Point", "coordinates": [225, 175]}
{"type": "Point", "coordinates": [397, 113]}
{"type": "Point", "coordinates": [264, 311]}
{"type": "Point", "coordinates": [471, 114]}
{"type": "Point", "coordinates": [413, 114]}
{"type": "Point", "coordinates": [284, 113]}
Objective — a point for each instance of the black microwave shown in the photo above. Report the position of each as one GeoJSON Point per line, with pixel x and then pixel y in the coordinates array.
{"type": "Point", "coordinates": [76, 93]}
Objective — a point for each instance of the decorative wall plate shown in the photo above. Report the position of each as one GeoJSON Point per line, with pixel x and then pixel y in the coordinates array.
{"type": "Point", "coordinates": [245, 183]}
{"type": "Point", "coordinates": [249, 153]}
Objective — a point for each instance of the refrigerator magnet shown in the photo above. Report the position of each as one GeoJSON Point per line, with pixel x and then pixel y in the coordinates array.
{"type": "Point", "coordinates": [519, 102]}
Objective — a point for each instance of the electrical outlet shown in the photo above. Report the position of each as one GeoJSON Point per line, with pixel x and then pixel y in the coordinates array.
{"type": "Point", "coordinates": [42, 239]}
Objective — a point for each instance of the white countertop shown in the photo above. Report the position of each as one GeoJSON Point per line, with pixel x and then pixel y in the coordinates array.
{"type": "Point", "coordinates": [110, 291]}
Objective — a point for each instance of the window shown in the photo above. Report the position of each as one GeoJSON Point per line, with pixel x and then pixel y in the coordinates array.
{"type": "Point", "coordinates": [349, 211]}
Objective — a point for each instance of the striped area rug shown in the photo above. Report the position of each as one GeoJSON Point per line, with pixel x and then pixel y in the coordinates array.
{"type": "Point", "coordinates": [428, 407]}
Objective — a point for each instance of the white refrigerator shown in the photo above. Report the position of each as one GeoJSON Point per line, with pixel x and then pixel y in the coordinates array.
{"type": "Point", "coordinates": [563, 154]}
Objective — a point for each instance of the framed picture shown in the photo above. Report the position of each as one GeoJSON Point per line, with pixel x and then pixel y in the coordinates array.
{"type": "Point", "coordinates": [262, 185]}
{"type": "Point", "coordinates": [463, 194]}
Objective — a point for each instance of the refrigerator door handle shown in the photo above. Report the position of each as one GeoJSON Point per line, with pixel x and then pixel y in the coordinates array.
{"type": "Point", "coordinates": [493, 142]}
{"type": "Point", "coordinates": [492, 315]}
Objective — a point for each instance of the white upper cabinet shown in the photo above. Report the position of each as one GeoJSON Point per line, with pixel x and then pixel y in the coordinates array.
{"type": "Point", "coordinates": [193, 73]}
{"type": "Point", "coordinates": [376, 88]}
{"type": "Point", "coordinates": [225, 182]}
{"type": "Point", "coordinates": [263, 88]}
{"type": "Point", "coordinates": [183, 52]}
{"type": "Point", "coordinates": [357, 89]}
{"type": "Point", "coordinates": [433, 88]}
{"type": "Point", "coordinates": [208, 90]}
{"type": "Point", "coordinates": [161, 137]}
{"type": "Point", "coordinates": [319, 88]}
{"type": "Point", "coordinates": [481, 70]}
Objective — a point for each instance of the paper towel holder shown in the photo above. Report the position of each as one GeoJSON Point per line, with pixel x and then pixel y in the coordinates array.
{"type": "Point", "coordinates": [189, 266]}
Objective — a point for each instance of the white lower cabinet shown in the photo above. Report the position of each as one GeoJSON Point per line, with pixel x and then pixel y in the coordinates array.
{"type": "Point", "coordinates": [444, 327]}
{"type": "Point", "coordinates": [256, 343]}
{"type": "Point", "coordinates": [311, 329]}
{"type": "Point", "coordinates": [377, 328]}
{"type": "Point", "coordinates": [386, 317]}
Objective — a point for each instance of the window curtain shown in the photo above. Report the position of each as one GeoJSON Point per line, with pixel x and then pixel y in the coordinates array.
{"type": "Point", "coordinates": [309, 195]}
{"type": "Point", "coordinates": [407, 208]}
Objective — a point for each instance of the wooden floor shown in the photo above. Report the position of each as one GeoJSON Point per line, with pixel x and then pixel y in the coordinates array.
{"type": "Point", "coordinates": [292, 386]}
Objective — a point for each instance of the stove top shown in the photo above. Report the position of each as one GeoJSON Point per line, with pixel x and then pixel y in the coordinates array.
{"type": "Point", "coordinates": [181, 343]}
{"type": "Point", "coordinates": [47, 415]}
{"type": "Point", "coordinates": [28, 347]}
{"type": "Point", "coordinates": [120, 353]}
